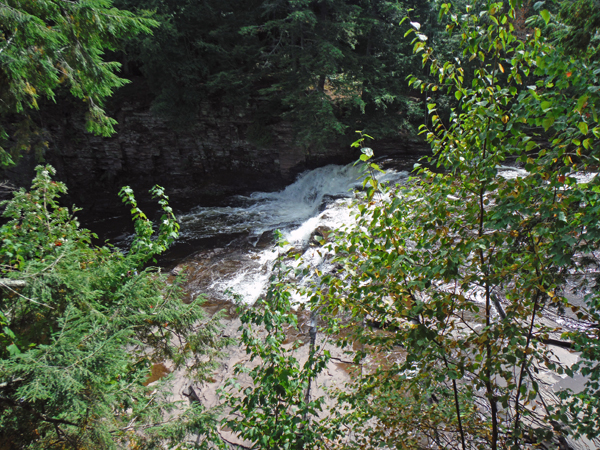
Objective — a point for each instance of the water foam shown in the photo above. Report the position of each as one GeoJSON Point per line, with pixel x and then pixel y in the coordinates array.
{"type": "Point", "coordinates": [264, 211]}
{"type": "Point", "coordinates": [323, 198]}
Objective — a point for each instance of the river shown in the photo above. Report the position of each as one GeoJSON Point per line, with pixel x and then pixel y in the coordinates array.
{"type": "Point", "coordinates": [229, 249]}
{"type": "Point", "coordinates": [242, 230]}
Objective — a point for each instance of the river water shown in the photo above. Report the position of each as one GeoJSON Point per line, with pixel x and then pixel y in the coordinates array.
{"type": "Point", "coordinates": [229, 249]}
{"type": "Point", "coordinates": [242, 231]}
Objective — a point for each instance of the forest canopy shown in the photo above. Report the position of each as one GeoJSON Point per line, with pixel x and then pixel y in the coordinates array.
{"type": "Point", "coordinates": [49, 45]}
{"type": "Point", "coordinates": [328, 67]}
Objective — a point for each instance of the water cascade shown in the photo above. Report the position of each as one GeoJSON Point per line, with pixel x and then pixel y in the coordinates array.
{"type": "Point", "coordinates": [319, 199]}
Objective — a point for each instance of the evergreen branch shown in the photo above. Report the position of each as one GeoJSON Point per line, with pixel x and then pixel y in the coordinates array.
{"type": "Point", "coordinates": [101, 347]}
{"type": "Point", "coordinates": [47, 267]}
{"type": "Point", "coordinates": [130, 425]}
{"type": "Point", "coordinates": [39, 415]}
{"type": "Point", "coordinates": [3, 284]}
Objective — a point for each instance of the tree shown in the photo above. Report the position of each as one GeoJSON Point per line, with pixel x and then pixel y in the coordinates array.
{"type": "Point", "coordinates": [81, 326]}
{"type": "Point", "coordinates": [196, 54]}
{"type": "Point", "coordinates": [330, 61]}
{"type": "Point", "coordinates": [582, 20]}
{"type": "Point", "coordinates": [46, 45]}
{"type": "Point", "coordinates": [277, 410]}
{"type": "Point", "coordinates": [451, 275]}
{"type": "Point", "coordinates": [324, 66]}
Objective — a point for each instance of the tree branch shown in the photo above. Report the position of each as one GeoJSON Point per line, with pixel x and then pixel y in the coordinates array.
{"type": "Point", "coordinates": [39, 415]}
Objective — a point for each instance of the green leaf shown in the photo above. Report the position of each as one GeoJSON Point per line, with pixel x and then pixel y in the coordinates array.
{"type": "Point", "coordinates": [367, 151]}
{"type": "Point", "coordinates": [13, 350]}
{"type": "Point", "coordinates": [548, 122]}
{"type": "Point", "coordinates": [582, 102]}
{"type": "Point", "coordinates": [545, 15]}
{"type": "Point", "coordinates": [9, 332]}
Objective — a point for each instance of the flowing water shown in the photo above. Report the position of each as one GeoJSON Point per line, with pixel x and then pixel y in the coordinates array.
{"type": "Point", "coordinates": [284, 210]}
{"type": "Point", "coordinates": [241, 259]}
{"type": "Point", "coordinates": [230, 248]}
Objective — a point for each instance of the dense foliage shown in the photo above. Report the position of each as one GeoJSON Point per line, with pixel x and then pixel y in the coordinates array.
{"type": "Point", "coordinates": [327, 67]}
{"type": "Point", "coordinates": [277, 409]}
{"type": "Point", "coordinates": [470, 274]}
{"type": "Point", "coordinates": [452, 290]}
{"type": "Point", "coordinates": [46, 45]}
{"type": "Point", "coordinates": [82, 325]}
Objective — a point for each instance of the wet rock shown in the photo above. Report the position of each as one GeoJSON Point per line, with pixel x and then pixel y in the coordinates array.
{"type": "Point", "coordinates": [265, 240]}
{"type": "Point", "coordinates": [320, 235]}
{"type": "Point", "coordinates": [210, 160]}
{"type": "Point", "coordinates": [191, 394]}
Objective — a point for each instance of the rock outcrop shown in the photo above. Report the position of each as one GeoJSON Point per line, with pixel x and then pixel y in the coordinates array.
{"type": "Point", "coordinates": [220, 154]}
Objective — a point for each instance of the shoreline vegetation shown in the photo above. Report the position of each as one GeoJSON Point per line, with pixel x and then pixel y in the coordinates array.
{"type": "Point", "coordinates": [452, 289]}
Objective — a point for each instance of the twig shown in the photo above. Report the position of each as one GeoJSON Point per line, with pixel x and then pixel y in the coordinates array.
{"type": "Point", "coordinates": [41, 416]}
{"type": "Point", "coordinates": [21, 295]}
{"type": "Point", "coordinates": [344, 362]}
{"type": "Point", "coordinates": [11, 282]}
{"type": "Point", "coordinates": [233, 444]}
{"type": "Point", "coordinates": [52, 264]}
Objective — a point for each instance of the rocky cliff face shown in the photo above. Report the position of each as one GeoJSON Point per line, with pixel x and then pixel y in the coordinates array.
{"type": "Point", "coordinates": [222, 153]}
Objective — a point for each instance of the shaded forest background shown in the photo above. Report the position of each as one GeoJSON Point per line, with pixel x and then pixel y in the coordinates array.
{"type": "Point", "coordinates": [238, 89]}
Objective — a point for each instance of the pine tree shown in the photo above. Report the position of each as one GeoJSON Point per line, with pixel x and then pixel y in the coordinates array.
{"type": "Point", "coordinates": [48, 45]}
{"type": "Point", "coordinates": [325, 66]}
{"type": "Point", "coordinates": [82, 325]}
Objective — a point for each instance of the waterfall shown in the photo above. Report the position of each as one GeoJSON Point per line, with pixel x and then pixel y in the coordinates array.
{"type": "Point", "coordinates": [323, 197]}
